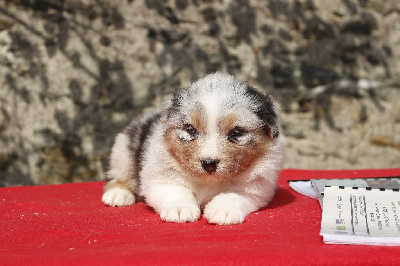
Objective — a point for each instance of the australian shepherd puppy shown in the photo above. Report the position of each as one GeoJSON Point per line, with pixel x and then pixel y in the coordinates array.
{"type": "Point", "coordinates": [216, 148]}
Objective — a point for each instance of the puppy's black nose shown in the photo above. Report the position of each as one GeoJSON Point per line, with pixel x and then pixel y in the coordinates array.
{"type": "Point", "coordinates": [210, 165]}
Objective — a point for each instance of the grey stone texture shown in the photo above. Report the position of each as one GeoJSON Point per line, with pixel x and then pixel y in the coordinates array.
{"type": "Point", "coordinates": [74, 72]}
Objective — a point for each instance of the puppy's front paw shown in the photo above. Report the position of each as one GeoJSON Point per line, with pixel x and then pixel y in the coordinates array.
{"type": "Point", "coordinates": [180, 213]}
{"type": "Point", "coordinates": [226, 209]}
{"type": "Point", "coordinates": [118, 197]}
{"type": "Point", "coordinates": [223, 216]}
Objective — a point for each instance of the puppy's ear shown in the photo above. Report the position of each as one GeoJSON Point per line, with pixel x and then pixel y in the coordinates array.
{"type": "Point", "coordinates": [266, 109]}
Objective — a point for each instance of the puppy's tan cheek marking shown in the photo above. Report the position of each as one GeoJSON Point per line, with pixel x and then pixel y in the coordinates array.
{"type": "Point", "coordinates": [242, 157]}
{"type": "Point", "coordinates": [183, 152]}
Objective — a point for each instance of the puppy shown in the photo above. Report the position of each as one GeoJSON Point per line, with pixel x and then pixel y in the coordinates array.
{"type": "Point", "coordinates": [216, 146]}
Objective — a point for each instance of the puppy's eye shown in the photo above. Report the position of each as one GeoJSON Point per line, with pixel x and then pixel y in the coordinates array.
{"type": "Point", "coordinates": [235, 134]}
{"type": "Point", "coordinates": [191, 130]}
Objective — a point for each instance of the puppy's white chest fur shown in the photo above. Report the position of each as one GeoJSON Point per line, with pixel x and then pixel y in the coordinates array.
{"type": "Point", "coordinates": [215, 147]}
{"type": "Point", "coordinates": [204, 192]}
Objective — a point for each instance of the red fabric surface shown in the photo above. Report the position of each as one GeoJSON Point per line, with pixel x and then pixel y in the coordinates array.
{"type": "Point", "coordinates": [68, 224]}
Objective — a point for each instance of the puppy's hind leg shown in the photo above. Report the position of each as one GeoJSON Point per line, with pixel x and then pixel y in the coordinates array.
{"type": "Point", "coordinates": [119, 190]}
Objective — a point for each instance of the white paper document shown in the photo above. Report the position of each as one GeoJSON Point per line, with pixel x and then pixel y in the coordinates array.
{"type": "Point", "coordinates": [361, 216]}
{"type": "Point", "coordinates": [382, 182]}
{"type": "Point", "coordinates": [303, 187]}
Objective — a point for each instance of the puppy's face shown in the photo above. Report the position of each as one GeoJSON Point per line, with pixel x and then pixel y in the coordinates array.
{"type": "Point", "coordinates": [220, 128]}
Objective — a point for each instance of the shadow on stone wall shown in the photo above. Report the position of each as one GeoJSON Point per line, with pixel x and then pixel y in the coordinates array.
{"type": "Point", "coordinates": [64, 160]}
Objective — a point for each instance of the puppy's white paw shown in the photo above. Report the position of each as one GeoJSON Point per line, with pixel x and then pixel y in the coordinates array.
{"type": "Point", "coordinates": [180, 213]}
{"type": "Point", "coordinates": [118, 197]}
{"type": "Point", "coordinates": [226, 209]}
{"type": "Point", "coordinates": [224, 216]}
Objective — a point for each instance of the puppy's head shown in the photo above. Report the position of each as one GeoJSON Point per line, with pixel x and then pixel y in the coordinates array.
{"type": "Point", "coordinates": [219, 127]}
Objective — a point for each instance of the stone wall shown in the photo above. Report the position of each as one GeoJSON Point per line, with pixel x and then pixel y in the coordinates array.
{"type": "Point", "coordinates": [75, 72]}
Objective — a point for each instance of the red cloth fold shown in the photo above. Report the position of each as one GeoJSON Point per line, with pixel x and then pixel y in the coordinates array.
{"type": "Point", "coordinates": [67, 224]}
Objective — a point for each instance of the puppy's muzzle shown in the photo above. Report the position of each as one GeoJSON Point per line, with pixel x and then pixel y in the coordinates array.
{"type": "Point", "coordinates": [210, 165]}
